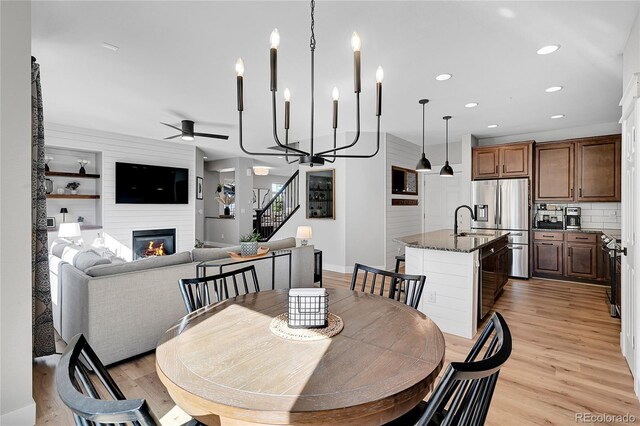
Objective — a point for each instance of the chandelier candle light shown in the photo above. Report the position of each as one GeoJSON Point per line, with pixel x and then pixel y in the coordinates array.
{"type": "Point", "coordinates": [311, 157]}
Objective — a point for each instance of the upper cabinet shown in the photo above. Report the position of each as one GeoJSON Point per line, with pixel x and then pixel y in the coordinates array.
{"type": "Point", "coordinates": [584, 170]}
{"type": "Point", "coordinates": [502, 161]}
{"type": "Point", "coordinates": [598, 169]}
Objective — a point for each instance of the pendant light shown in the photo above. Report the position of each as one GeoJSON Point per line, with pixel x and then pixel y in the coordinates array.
{"type": "Point", "coordinates": [423, 164]}
{"type": "Point", "coordinates": [446, 170]}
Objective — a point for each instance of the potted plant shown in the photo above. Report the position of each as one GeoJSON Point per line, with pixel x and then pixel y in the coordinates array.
{"type": "Point", "coordinates": [249, 244]}
{"type": "Point", "coordinates": [73, 187]}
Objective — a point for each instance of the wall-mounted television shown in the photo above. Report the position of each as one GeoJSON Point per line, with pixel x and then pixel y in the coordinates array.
{"type": "Point", "coordinates": [147, 184]}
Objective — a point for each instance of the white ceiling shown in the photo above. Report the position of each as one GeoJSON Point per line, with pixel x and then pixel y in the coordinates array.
{"type": "Point", "coordinates": [176, 61]}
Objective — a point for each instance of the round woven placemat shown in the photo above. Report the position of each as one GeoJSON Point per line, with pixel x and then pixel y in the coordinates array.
{"type": "Point", "coordinates": [279, 326]}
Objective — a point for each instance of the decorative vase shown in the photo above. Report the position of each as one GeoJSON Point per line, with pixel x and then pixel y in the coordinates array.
{"type": "Point", "coordinates": [249, 248]}
{"type": "Point", "coordinates": [48, 186]}
{"type": "Point", "coordinates": [74, 191]}
{"type": "Point", "coordinates": [227, 211]}
{"type": "Point", "coordinates": [82, 171]}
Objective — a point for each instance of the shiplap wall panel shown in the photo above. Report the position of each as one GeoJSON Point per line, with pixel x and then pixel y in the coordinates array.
{"type": "Point", "coordinates": [400, 220]}
{"type": "Point", "coordinates": [120, 220]}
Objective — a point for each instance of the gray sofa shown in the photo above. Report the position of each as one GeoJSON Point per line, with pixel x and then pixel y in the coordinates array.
{"type": "Point", "coordinates": [123, 308]}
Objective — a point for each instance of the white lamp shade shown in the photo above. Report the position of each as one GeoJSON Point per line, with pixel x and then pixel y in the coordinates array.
{"type": "Point", "coordinates": [69, 230]}
{"type": "Point", "coordinates": [261, 171]}
{"type": "Point", "coordinates": [304, 233]}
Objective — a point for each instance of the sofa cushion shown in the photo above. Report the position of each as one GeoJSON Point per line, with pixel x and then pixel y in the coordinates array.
{"type": "Point", "coordinates": [285, 243]}
{"type": "Point", "coordinates": [71, 251]}
{"type": "Point", "coordinates": [58, 245]}
{"type": "Point", "coordinates": [87, 259]}
{"type": "Point", "coordinates": [139, 265]}
{"type": "Point", "coordinates": [202, 254]}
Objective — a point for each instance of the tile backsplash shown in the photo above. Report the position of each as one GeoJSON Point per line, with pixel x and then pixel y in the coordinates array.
{"type": "Point", "coordinates": [593, 215]}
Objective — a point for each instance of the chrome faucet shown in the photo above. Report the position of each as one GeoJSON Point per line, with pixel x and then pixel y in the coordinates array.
{"type": "Point", "coordinates": [455, 217]}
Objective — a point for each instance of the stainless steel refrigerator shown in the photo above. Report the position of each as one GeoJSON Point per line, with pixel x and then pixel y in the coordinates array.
{"type": "Point", "coordinates": [504, 204]}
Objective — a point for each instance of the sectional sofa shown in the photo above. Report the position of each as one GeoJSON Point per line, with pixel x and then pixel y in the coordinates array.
{"type": "Point", "coordinates": [123, 308]}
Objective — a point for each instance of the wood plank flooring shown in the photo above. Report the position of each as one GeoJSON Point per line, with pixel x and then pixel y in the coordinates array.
{"type": "Point", "coordinates": [566, 360]}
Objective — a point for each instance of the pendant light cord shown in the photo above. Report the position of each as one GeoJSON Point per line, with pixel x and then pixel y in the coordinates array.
{"type": "Point", "coordinates": [447, 140]}
{"type": "Point", "coordinates": [312, 46]}
{"type": "Point", "coordinates": [423, 128]}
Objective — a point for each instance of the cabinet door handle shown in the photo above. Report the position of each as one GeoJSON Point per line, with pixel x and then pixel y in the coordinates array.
{"type": "Point", "coordinates": [582, 238]}
{"type": "Point", "coordinates": [570, 251]}
{"type": "Point", "coordinates": [571, 193]}
{"type": "Point", "coordinates": [496, 169]}
{"type": "Point", "coordinates": [504, 168]}
{"type": "Point", "coordinates": [580, 192]}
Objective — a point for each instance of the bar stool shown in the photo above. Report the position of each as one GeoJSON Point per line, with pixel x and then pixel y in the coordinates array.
{"type": "Point", "coordinates": [399, 258]}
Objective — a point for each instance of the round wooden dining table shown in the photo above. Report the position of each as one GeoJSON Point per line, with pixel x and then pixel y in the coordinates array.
{"type": "Point", "coordinates": [223, 365]}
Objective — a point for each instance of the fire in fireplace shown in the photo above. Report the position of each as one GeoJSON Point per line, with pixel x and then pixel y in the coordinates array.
{"type": "Point", "coordinates": [153, 242]}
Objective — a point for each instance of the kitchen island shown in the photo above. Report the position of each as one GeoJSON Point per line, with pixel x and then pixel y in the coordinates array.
{"type": "Point", "coordinates": [452, 265]}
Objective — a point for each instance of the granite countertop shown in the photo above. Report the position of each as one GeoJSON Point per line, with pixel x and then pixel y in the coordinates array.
{"type": "Point", "coordinates": [445, 240]}
{"type": "Point", "coordinates": [584, 230]}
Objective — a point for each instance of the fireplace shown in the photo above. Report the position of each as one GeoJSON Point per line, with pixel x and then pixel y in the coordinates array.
{"type": "Point", "coordinates": [153, 242]}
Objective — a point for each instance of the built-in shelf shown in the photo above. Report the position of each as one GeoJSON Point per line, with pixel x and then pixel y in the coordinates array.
{"type": "Point", "coordinates": [82, 228]}
{"type": "Point", "coordinates": [73, 175]}
{"type": "Point", "coordinates": [74, 196]}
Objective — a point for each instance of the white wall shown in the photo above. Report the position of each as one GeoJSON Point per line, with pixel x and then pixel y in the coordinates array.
{"type": "Point", "coordinates": [400, 221]}
{"type": "Point", "coordinates": [119, 220]}
{"type": "Point", "coordinates": [16, 404]}
{"type": "Point", "coordinates": [631, 55]}
{"type": "Point", "coordinates": [598, 129]}
{"type": "Point", "coordinates": [199, 204]}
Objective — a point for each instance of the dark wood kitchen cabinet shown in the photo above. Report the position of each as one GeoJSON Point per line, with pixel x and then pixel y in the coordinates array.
{"type": "Point", "coordinates": [581, 260]}
{"type": "Point", "coordinates": [586, 169]}
{"type": "Point", "coordinates": [548, 257]}
{"type": "Point", "coordinates": [554, 172]}
{"type": "Point", "coordinates": [512, 160]}
{"type": "Point", "coordinates": [598, 164]}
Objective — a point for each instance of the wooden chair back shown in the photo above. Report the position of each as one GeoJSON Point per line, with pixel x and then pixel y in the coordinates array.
{"type": "Point", "coordinates": [401, 287]}
{"type": "Point", "coordinates": [83, 394]}
{"type": "Point", "coordinates": [196, 293]}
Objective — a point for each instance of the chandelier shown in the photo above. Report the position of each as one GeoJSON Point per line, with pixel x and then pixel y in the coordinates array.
{"type": "Point", "coordinates": [311, 157]}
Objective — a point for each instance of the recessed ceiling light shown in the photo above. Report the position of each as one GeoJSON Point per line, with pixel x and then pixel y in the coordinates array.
{"type": "Point", "coordinates": [553, 89]}
{"type": "Point", "coordinates": [492, 126]}
{"type": "Point", "coordinates": [280, 157]}
{"type": "Point", "coordinates": [471, 105]}
{"type": "Point", "coordinates": [443, 77]}
{"type": "Point", "coordinates": [548, 49]}
{"type": "Point", "coordinates": [205, 157]}
{"type": "Point", "coordinates": [110, 46]}
{"type": "Point", "coordinates": [557, 116]}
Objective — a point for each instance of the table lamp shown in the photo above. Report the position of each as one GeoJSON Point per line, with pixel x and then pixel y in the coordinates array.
{"type": "Point", "coordinates": [69, 230]}
{"type": "Point", "coordinates": [304, 233]}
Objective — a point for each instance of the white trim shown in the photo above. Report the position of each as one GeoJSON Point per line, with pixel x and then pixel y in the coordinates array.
{"type": "Point", "coordinates": [336, 268]}
{"type": "Point", "coordinates": [631, 92]}
{"type": "Point", "coordinates": [25, 416]}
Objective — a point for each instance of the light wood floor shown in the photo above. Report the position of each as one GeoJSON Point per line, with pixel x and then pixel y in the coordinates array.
{"type": "Point", "coordinates": [566, 360]}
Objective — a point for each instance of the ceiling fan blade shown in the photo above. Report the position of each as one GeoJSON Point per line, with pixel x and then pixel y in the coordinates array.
{"type": "Point", "coordinates": [173, 127]}
{"type": "Point", "coordinates": [211, 135]}
{"type": "Point", "coordinates": [176, 136]}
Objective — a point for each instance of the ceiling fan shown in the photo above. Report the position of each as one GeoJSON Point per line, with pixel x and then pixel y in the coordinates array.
{"type": "Point", "coordinates": [187, 133]}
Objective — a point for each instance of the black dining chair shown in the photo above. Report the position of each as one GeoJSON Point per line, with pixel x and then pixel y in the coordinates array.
{"type": "Point", "coordinates": [195, 291]}
{"type": "Point", "coordinates": [76, 372]}
{"type": "Point", "coordinates": [401, 287]}
{"type": "Point", "coordinates": [399, 260]}
{"type": "Point", "coordinates": [463, 395]}
{"type": "Point", "coordinates": [78, 391]}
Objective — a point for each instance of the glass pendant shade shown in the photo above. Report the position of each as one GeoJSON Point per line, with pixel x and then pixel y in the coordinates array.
{"type": "Point", "coordinates": [446, 170]}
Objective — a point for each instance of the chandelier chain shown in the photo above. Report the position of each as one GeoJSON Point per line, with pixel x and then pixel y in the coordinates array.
{"type": "Point", "coordinates": [312, 42]}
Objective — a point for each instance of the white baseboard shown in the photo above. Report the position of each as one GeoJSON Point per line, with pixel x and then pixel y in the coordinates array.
{"type": "Point", "coordinates": [25, 416]}
{"type": "Point", "coordinates": [344, 269]}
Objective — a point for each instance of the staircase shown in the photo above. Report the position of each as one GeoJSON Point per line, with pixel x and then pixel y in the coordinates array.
{"type": "Point", "coordinates": [277, 211]}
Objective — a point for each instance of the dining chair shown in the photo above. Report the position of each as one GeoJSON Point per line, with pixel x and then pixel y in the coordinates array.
{"type": "Point", "coordinates": [195, 291]}
{"type": "Point", "coordinates": [463, 395]}
{"type": "Point", "coordinates": [78, 391]}
{"type": "Point", "coordinates": [401, 287]}
{"type": "Point", "coordinates": [83, 396]}
{"type": "Point", "coordinates": [399, 260]}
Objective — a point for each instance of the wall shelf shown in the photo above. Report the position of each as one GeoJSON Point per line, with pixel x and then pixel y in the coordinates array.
{"type": "Point", "coordinates": [73, 175]}
{"type": "Point", "coordinates": [74, 196]}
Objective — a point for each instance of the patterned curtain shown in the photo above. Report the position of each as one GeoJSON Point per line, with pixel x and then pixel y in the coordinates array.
{"type": "Point", "coordinates": [42, 335]}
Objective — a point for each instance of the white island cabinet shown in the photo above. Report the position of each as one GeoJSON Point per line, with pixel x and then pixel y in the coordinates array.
{"type": "Point", "coordinates": [452, 267]}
